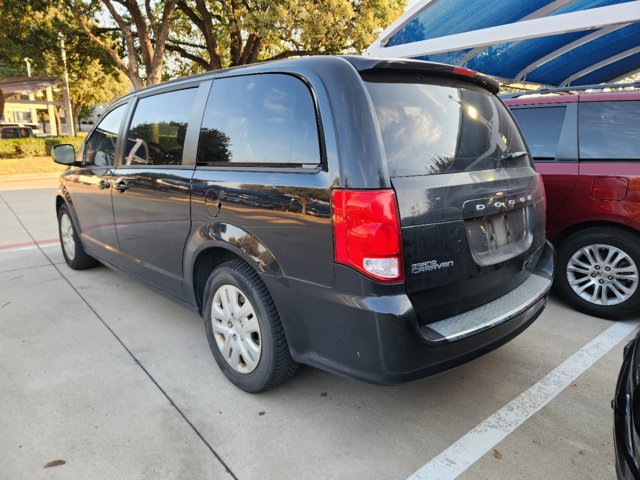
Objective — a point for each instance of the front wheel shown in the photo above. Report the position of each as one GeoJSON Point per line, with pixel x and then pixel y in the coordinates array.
{"type": "Point", "coordinates": [72, 248]}
{"type": "Point", "coordinates": [598, 272]}
{"type": "Point", "coordinates": [244, 330]}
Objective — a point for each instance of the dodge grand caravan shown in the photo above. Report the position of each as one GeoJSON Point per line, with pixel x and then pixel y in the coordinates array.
{"type": "Point", "coordinates": [379, 219]}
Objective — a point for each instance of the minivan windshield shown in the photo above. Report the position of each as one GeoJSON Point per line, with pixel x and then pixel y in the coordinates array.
{"type": "Point", "coordinates": [432, 125]}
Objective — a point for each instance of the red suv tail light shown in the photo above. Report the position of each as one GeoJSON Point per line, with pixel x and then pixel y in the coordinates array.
{"type": "Point", "coordinates": [366, 229]}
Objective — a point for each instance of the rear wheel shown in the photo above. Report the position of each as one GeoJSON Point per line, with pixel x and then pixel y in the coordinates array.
{"type": "Point", "coordinates": [244, 330]}
{"type": "Point", "coordinates": [72, 248]}
{"type": "Point", "coordinates": [598, 272]}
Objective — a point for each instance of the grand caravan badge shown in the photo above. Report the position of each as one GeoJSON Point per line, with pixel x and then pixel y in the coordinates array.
{"type": "Point", "coordinates": [430, 266]}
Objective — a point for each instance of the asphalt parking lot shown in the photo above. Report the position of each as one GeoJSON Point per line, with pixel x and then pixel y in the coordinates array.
{"type": "Point", "coordinates": [118, 382]}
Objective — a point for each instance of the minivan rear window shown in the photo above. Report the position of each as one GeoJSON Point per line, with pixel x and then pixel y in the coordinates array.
{"type": "Point", "coordinates": [433, 125]}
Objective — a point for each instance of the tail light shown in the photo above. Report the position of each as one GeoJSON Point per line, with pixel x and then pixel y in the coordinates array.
{"type": "Point", "coordinates": [464, 71]}
{"type": "Point", "coordinates": [366, 229]}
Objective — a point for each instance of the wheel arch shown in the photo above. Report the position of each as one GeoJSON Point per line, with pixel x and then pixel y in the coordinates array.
{"type": "Point", "coordinates": [59, 202]}
{"type": "Point", "coordinates": [206, 261]}
{"type": "Point", "coordinates": [64, 198]}
{"type": "Point", "coordinates": [578, 227]}
{"type": "Point", "coordinates": [216, 244]}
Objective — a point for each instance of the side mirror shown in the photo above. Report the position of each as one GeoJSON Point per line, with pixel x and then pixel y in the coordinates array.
{"type": "Point", "coordinates": [64, 154]}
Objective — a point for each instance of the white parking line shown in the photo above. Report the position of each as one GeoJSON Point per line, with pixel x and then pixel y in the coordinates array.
{"type": "Point", "coordinates": [483, 438]}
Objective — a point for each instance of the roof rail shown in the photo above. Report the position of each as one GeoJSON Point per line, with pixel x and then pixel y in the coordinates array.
{"type": "Point", "coordinates": [578, 88]}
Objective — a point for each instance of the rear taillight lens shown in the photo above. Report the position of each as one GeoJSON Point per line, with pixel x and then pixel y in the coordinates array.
{"type": "Point", "coordinates": [366, 229]}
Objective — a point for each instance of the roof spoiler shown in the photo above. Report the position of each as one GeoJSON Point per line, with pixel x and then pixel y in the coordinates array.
{"type": "Point", "coordinates": [431, 68]}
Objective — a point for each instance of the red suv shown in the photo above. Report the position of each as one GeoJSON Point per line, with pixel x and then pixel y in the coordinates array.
{"type": "Point", "coordinates": [587, 148]}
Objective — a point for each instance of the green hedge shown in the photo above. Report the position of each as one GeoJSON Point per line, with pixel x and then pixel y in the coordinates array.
{"type": "Point", "coordinates": [33, 147]}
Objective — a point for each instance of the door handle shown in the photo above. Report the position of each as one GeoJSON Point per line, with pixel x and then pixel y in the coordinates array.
{"type": "Point", "coordinates": [121, 186]}
{"type": "Point", "coordinates": [104, 184]}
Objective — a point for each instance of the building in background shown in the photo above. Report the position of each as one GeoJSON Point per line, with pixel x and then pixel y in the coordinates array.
{"type": "Point", "coordinates": [30, 100]}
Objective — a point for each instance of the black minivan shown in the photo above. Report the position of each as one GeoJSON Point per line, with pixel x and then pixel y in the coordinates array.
{"type": "Point", "coordinates": [380, 219]}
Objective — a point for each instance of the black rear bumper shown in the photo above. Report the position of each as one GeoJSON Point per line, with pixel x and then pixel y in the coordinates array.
{"type": "Point", "coordinates": [627, 460]}
{"type": "Point", "coordinates": [369, 331]}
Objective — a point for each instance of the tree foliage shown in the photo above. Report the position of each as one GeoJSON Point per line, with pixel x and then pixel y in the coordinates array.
{"type": "Point", "coordinates": [137, 38]}
{"type": "Point", "coordinates": [221, 33]}
{"type": "Point", "coordinates": [95, 86]}
{"type": "Point", "coordinates": [31, 29]}
{"type": "Point", "coordinates": [150, 40]}
{"type": "Point", "coordinates": [211, 34]}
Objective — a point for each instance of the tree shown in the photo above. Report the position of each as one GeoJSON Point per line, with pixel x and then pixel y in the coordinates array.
{"type": "Point", "coordinates": [144, 34]}
{"type": "Point", "coordinates": [31, 28]}
{"type": "Point", "coordinates": [84, 91]}
{"type": "Point", "coordinates": [220, 33]}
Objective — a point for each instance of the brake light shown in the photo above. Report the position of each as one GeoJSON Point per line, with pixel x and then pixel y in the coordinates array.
{"type": "Point", "coordinates": [366, 229]}
{"type": "Point", "coordinates": [464, 71]}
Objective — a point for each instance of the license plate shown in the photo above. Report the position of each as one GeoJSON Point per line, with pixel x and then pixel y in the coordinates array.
{"type": "Point", "coordinates": [497, 238]}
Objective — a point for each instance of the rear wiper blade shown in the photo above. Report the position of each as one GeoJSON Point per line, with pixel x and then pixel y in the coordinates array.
{"type": "Point", "coordinates": [514, 155]}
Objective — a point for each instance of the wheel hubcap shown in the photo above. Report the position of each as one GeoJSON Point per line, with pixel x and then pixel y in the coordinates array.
{"type": "Point", "coordinates": [236, 328]}
{"type": "Point", "coordinates": [602, 274]}
{"type": "Point", "coordinates": [66, 234]}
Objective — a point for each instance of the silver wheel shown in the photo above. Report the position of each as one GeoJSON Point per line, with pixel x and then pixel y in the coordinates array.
{"type": "Point", "coordinates": [236, 329]}
{"type": "Point", "coordinates": [66, 234]}
{"type": "Point", "coordinates": [602, 274]}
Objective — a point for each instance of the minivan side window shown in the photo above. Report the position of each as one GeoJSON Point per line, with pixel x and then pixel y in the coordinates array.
{"type": "Point", "coordinates": [157, 132]}
{"type": "Point", "coordinates": [609, 130]}
{"type": "Point", "coordinates": [267, 119]}
{"type": "Point", "coordinates": [541, 128]}
{"type": "Point", "coordinates": [100, 147]}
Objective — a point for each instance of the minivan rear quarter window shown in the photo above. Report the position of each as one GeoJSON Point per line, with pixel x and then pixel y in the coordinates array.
{"type": "Point", "coordinates": [609, 130]}
{"type": "Point", "coordinates": [431, 126]}
{"type": "Point", "coordinates": [259, 120]}
{"type": "Point", "coordinates": [541, 127]}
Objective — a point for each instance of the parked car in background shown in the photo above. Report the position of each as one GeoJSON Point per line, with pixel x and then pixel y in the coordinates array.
{"type": "Point", "coordinates": [626, 414]}
{"type": "Point", "coordinates": [15, 132]}
{"type": "Point", "coordinates": [35, 128]}
{"type": "Point", "coordinates": [380, 219]}
{"type": "Point", "coordinates": [587, 148]}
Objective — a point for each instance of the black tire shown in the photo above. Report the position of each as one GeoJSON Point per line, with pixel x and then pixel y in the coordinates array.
{"type": "Point", "coordinates": [608, 236]}
{"type": "Point", "coordinates": [79, 260]}
{"type": "Point", "coordinates": [275, 365]}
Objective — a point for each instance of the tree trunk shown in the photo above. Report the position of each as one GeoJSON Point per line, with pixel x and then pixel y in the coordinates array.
{"type": "Point", "coordinates": [58, 122]}
{"type": "Point", "coordinates": [76, 115]}
{"type": "Point", "coordinates": [141, 48]}
{"type": "Point", "coordinates": [1, 103]}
